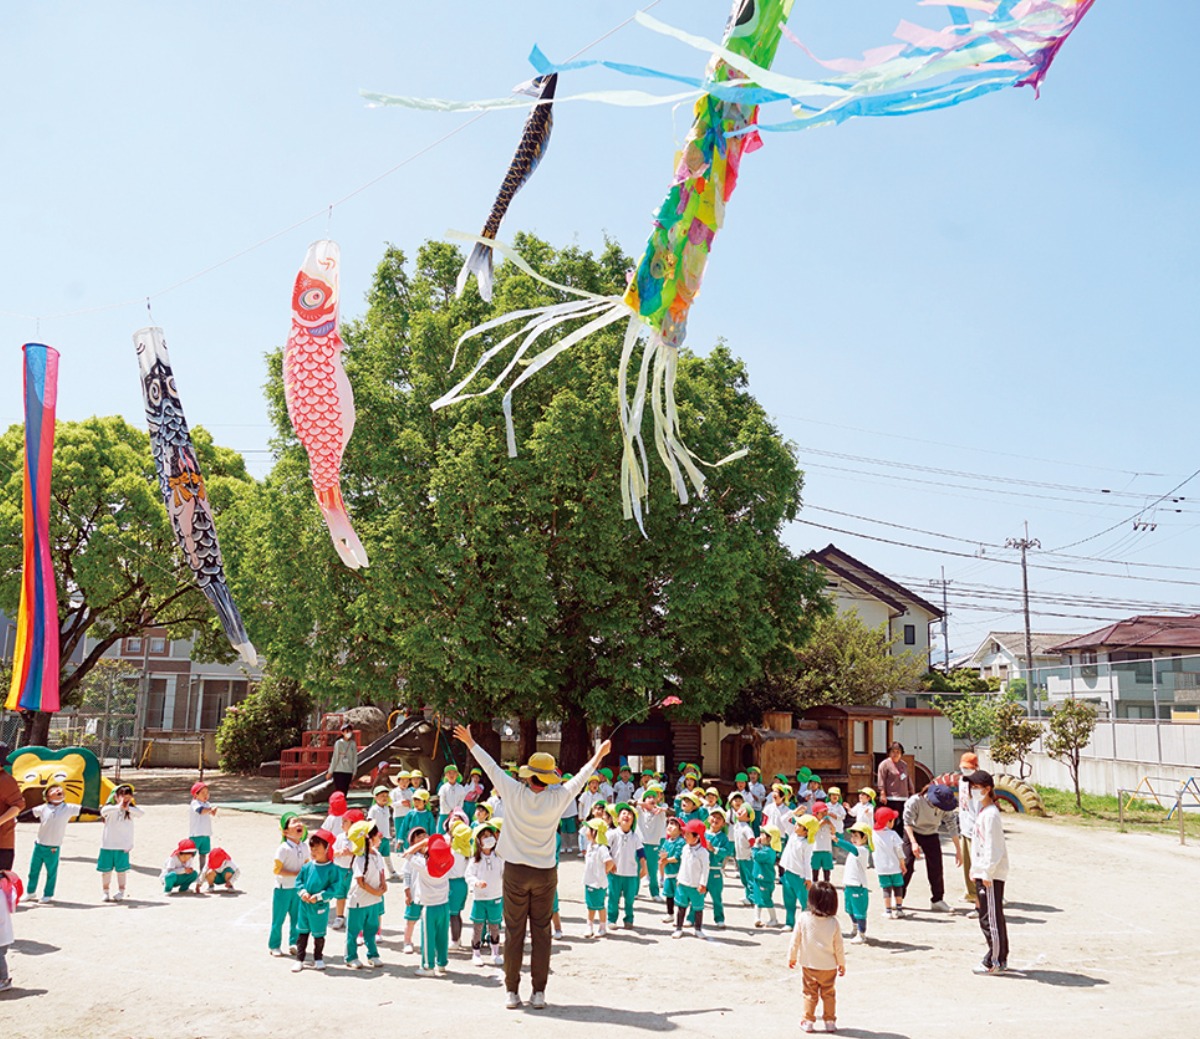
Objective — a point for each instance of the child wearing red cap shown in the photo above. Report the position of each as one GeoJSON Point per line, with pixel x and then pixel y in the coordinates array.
{"type": "Point", "coordinates": [890, 866]}
{"type": "Point", "coordinates": [343, 864]}
{"type": "Point", "coordinates": [200, 823]}
{"type": "Point", "coordinates": [315, 884]}
{"type": "Point", "coordinates": [691, 884]}
{"type": "Point", "coordinates": [335, 820]}
{"type": "Point", "coordinates": [431, 862]}
{"type": "Point", "coordinates": [221, 870]}
{"type": "Point", "coordinates": [179, 871]}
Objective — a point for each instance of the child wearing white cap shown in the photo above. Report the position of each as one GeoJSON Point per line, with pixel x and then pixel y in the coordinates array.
{"type": "Point", "coordinates": [380, 813]}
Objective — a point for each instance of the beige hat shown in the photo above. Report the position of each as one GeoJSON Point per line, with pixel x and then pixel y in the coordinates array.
{"type": "Point", "coordinates": [541, 767]}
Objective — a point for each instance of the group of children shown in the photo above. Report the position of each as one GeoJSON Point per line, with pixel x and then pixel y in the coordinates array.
{"type": "Point", "coordinates": [337, 877]}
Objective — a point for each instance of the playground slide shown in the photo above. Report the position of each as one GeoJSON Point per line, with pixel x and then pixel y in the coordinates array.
{"type": "Point", "coordinates": [317, 789]}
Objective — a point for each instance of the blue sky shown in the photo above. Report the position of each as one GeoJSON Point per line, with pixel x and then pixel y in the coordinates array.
{"type": "Point", "coordinates": [1003, 294]}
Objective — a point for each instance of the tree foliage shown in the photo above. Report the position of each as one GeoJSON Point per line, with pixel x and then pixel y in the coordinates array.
{"type": "Point", "coordinates": [960, 680]}
{"type": "Point", "coordinates": [972, 716]}
{"type": "Point", "coordinates": [1013, 737]}
{"type": "Point", "coordinates": [513, 586]}
{"type": "Point", "coordinates": [1072, 723]}
{"type": "Point", "coordinates": [270, 719]}
{"type": "Point", "coordinates": [118, 570]}
{"type": "Point", "coordinates": [840, 661]}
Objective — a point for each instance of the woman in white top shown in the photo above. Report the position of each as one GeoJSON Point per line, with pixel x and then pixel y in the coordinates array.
{"type": "Point", "coordinates": [989, 870]}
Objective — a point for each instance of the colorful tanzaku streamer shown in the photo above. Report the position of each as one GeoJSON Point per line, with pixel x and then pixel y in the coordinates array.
{"type": "Point", "coordinates": [988, 45]}
{"type": "Point", "coordinates": [35, 661]}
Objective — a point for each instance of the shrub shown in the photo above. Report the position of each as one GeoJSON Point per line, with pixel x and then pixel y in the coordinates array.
{"type": "Point", "coordinates": [269, 720]}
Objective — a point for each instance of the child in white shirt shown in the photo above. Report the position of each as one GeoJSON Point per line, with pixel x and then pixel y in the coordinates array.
{"type": "Point", "coordinates": [380, 814]}
{"type": "Point", "coordinates": [485, 877]}
{"type": "Point", "coordinates": [889, 862]}
{"type": "Point", "coordinates": [116, 840]}
{"type": "Point", "coordinates": [365, 900]}
{"type": "Point", "coordinates": [53, 816]}
{"type": "Point", "coordinates": [597, 864]}
{"type": "Point", "coordinates": [10, 895]}
{"type": "Point", "coordinates": [200, 823]}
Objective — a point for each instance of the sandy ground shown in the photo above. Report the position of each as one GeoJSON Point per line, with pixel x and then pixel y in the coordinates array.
{"type": "Point", "coordinates": [1102, 928]}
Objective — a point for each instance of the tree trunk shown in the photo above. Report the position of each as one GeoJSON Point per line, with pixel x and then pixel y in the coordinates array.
{"type": "Point", "coordinates": [576, 748]}
{"type": "Point", "coordinates": [486, 736]}
{"type": "Point", "coordinates": [37, 729]}
{"type": "Point", "coordinates": [1075, 779]}
{"type": "Point", "coordinates": [527, 744]}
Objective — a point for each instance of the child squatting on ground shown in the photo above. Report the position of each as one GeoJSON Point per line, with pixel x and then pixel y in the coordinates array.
{"type": "Point", "coordinates": [817, 948]}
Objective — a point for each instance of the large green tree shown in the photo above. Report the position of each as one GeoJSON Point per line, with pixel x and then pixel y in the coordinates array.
{"type": "Point", "coordinates": [115, 560]}
{"type": "Point", "coordinates": [513, 586]}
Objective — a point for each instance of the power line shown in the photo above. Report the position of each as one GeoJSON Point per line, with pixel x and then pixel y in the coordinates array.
{"type": "Point", "coordinates": [1133, 518]}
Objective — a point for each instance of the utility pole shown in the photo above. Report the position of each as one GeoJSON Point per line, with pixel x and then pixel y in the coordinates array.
{"type": "Point", "coordinates": [945, 621]}
{"type": "Point", "coordinates": [1025, 544]}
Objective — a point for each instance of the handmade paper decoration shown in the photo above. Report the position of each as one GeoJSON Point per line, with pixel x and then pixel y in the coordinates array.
{"type": "Point", "coordinates": [535, 139]}
{"type": "Point", "coordinates": [35, 658]}
{"type": "Point", "coordinates": [182, 485]}
{"type": "Point", "coordinates": [320, 402]}
{"type": "Point", "coordinates": [1010, 43]}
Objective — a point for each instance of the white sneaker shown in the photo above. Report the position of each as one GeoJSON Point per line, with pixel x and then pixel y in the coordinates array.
{"type": "Point", "coordinates": [677, 933]}
{"type": "Point", "coordinates": [538, 1002]}
{"type": "Point", "coordinates": [497, 960]}
{"type": "Point", "coordinates": [858, 939]}
{"type": "Point", "coordinates": [408, 947]}
{"type": "Point", "coordinates": [298, 966]}
{"type": "Point", "coordinates": [31, 900]}
{"type": "Point", "coordinates": [276, 952]}
{"type": "Point", "coordinates": [45, 900]}
{"type": "Point", "coordinates": [119, 896]}
{"type": "Point", "coordinates": [354, 964]}
{"type": "Point", "coordinates": [375, 961]}
{"type": "Point", "coordinates": [318, 964]}
{"type": "Point", "coordinates": [701, 935]}
{"type": "Point", "coordinates": [476, 959]}
{"type": "Point", "coordinates": [338, 924]}
{"type": "Point", "coordinates": [5, 984]}
{"type": "Point", "coordinates": [441, 971]}
{"type": "Point", "coordinates": [558, 936]}
{"type": "Point", "coordinates": [291, 950]}
{"type": "Point", "coordinates": [425, 972]}
{"type": "Point", "coordinates": [513, 1001]}
{"type": "Point", "coordinates": [941, 907]}
{"type": "Point", "coordinates": [898, 913]}
{"type": "Point", "coordinates": [211, 887]}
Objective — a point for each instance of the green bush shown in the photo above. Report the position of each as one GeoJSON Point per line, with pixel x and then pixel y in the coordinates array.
{"type": "Point", "coordinates": [269, 720]}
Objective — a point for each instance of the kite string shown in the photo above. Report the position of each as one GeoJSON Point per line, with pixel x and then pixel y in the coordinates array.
{"type": "Point", "coordinates": [326, 211]}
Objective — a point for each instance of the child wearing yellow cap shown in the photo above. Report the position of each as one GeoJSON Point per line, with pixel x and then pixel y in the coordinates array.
{"type": "Point", "coordinates": [765, 857]}
{"type": "Point", "coordinates": [854, 878]}
{"type": "Point", "coordinates": [796, 863]}
{"type": "Point", "coordinates": [364, 904]}
{"type": "Point", "coordinates": [462, 847]}
{"type": "Point", "coordinates": [597, 866]}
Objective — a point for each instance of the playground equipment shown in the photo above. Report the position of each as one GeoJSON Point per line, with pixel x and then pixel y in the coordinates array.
{"type": "Point", "coordinates": [1018, 796]}
{"type": "Point", "coordinates": [77, 769]}
{"type": "Point", "coordinates": [1185, 795]}
{"type": "Point", "coordinates": [416, 742]}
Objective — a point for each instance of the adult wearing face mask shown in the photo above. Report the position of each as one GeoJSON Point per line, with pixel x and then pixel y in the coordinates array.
{"type": "Point", "coordinates": [967, 811]}
{"type": "Point", "coordinates": [343, 765]}
{"type": "Point", "coordinates": [989, 870]}
{"type": "Point", "coordinates": [928, 815]}
{"type": "Point", "coordinates": [533, 807]}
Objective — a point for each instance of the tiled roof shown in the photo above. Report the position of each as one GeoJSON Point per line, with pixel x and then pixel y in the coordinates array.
{"type": "Point", "coordinates": [1044, 643]}
{"type": "Point", "coordinates": [1141, 632]}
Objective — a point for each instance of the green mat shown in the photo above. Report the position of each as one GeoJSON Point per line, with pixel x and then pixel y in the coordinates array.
{"type": "Point", "coordinates": [277, 810]}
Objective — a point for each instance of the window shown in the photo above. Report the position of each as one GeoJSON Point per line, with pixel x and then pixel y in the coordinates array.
{"type": "Point", "coordinates": [860, 737]}
{"type": "Point", "coordinates": [133, 645]}
{"type": "Point", "coordinates": [910, 702]}
{"type": "Point", "coordinates": [158, 646]}
{"type": "Point", "coordinates": [910, 634]}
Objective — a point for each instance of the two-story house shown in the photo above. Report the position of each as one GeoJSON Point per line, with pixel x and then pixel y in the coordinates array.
{"type": "Point", "coordinates": [1133, 667]}
{"type": "Point", "coordinates": [1002, 653]}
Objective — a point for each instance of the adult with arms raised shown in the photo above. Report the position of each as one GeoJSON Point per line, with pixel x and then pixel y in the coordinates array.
{"type": "Point", "coordinates": [533, 806]}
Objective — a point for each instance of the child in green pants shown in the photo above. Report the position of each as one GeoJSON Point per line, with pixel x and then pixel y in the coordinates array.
{"type": "Point", "coordinates": [364, 904]}
{"type": "Point", "coordinates": [316, 884]}
{"type": "Point", "coordinates": [53, 816]}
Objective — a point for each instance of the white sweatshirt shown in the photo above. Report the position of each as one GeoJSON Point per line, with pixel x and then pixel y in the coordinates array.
{"type": "Point", "coordinates": [743, 841]}
{"type": "Point", "coordinates": [54, 819]}
{"type": "Point", "coordinates": [370, 868]}
{"type": "Point", "coordinates": [175, 864]}
{"type": "Point", "coordinates": [796, 856]}
{"type": "Point", "coordinates": [485, 877]}
{"type": "Point", "coordinates": [594, 859]}
{"type": "Point", "coordinates": [531, 817]}
{"type": "Point", "coordinates": [118, 827]}
{"type": "Point", "coordinates": [652, 825]}
{"type": "Point", "coordinates": [290, 857]}
{"type": "Point", "coordinates": [200, 821]}
{"type": "Point", "coordinates": [429, 890]}
{"type": "Point", "coordinates": [450, 797]}
{"type": "Point", "coordinates": [381, 816]}
{"type": "Point", "coordinates": [989, 855]}
{"type": "Point", "coordinates": [889, 847]}
{"type": "Point", "coordinates": [693, 866]}
{"type": "Point", "coordinates": [854, 873]}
